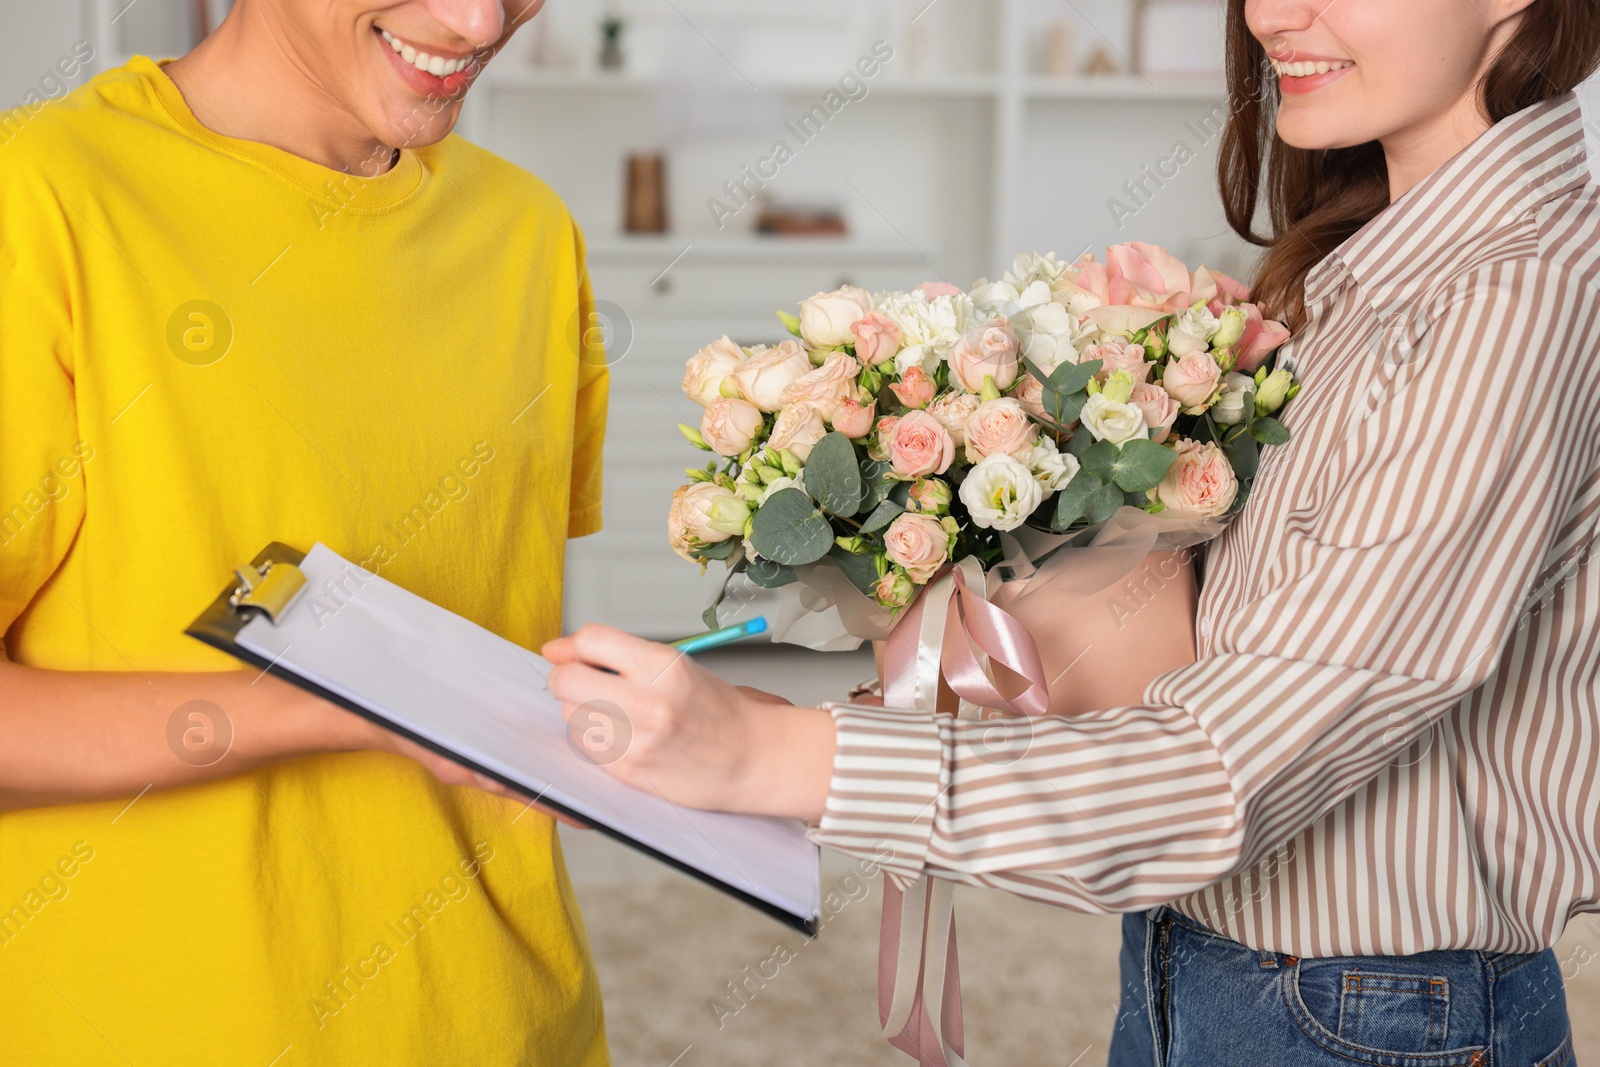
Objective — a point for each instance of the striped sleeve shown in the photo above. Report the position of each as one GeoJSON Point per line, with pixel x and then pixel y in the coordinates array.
{"type": "Point", "coordinates": [1391, 589]}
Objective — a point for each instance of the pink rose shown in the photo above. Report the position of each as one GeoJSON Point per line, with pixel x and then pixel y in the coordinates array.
{"type": "Point", "coordinates": [934, 290]}
{"type": "Point", "coordinates": [1217, 290]}
{"type": "Point", "coordinates": [915, 388]}
{"type": "Point", "coordinates": [877, 338]}
{"type": "Point", "coordinates": [1200, 481]}
{"type": "Point", "coordinates": [1119, 355]}
{"type": "Point", "coordinates": [919, 544]}
{"type": "Point", "coordinates": [703, 375]}
{"type": "Point", "coordinates": [826, 385]}
{"type": "Point", "coordinates": [799, 426]}
{"type": "Point", "coordinates": [730, 426]}
{"type": "Point", "coordinates": [1261, 337]}
{"type": "Point", "coordinates": [1029, 392]}
{"type": "Point", "coordinates": [920, 445]}
{"type": "Point", "coordinates": [987, 351]}
{"type": "Point", "coordinates": [1191, 380]}
{"type": "Point", "coordinates": [999, 426]}
{"type": "Point", "coordinates": [826, 319]}
{"type": "Point", "coordinates": [1083, 285]}
{"type": "Point", "coordinates": [953, 410]}
{"type": "Point", "coordinates": [1160, 409]}
{"type": "Point", "coordinates": [894, 589]}
{"type": "Point", "coordinates": [1147, 276]}
{"type": "Point", "coordinates": [703, 514]}
{"type": "Point", "coordinates": [883, 433]}
{"type": "Point", "coordinates": [853, 418]}
{"type": "Point", "coordinates": [769, 371]}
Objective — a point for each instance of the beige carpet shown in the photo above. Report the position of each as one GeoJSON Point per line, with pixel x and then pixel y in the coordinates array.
{"type": "Point", "coordinates": [1040, 984]}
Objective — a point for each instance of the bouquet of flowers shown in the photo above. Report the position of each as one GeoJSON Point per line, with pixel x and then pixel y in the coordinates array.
{"type": "Point", "coordinates": [897, 432]}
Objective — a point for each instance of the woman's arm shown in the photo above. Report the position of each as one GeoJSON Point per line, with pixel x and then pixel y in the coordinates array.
{"type": "Point", "coordinates": [1399, 595]}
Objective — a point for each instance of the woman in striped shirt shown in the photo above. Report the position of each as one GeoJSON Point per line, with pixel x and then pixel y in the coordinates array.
{"type": "Point", "coordinates": [1364, 813]}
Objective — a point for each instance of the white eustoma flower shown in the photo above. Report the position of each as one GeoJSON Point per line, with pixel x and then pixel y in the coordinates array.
{"type": "Point", "coordinates": [1191, 331]}
{"type": "Point", "coordinates": [1237, 390]}
{"type": "Point", "coordinates": [1000, 492]}
{"type": "Point", "coordinates": [1112, 421]}
{"type": "Point", "coordinates": [1052, 467]}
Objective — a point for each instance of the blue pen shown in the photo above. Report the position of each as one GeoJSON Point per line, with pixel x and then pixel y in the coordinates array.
{"type": "Point", "coordinates": [725, 636]}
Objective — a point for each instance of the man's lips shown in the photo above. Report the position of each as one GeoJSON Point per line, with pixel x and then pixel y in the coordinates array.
{"type": "Point", "coordinates": [430, 73]}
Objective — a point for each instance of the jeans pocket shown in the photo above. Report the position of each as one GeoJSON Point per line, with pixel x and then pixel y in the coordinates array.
{"type": "Point", "coordinates": [1561, 1057]}
{"type": "Point", "coordinates": [1375, 1017]}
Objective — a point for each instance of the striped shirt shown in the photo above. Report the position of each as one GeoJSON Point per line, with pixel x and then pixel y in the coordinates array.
{"type": "Point", "coordinates": [1389, 742]}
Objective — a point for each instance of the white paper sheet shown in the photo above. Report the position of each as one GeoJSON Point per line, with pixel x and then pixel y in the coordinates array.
{"type": "Point", "coordinates": [451, 681]}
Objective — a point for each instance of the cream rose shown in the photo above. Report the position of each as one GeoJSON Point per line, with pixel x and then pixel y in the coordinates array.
{"type": "Point", "coordinates": [769, 371]}
{"type": "Point", "coordinates": [1000, 492]}
{"type": "Point", "coordinates": [798, 427]}
{"type": "Point", "coordinates": [1191, 380]}
{"type": "Point", "coordinates": [987, 351]}
{"type": "Point", "coordinates": [953, 410]}
{"type": "Point", "coordinates": [1113, 421]}
{"type": "Point", "coordinates": [1029, 392]}
{"type": "Point", "coordinates": [1237, 391]}
{"type": "Point", "coordinates": [730, 426]}
{"type": "Point", "coordinates": [1191, 331]}
{"type": "Point", "coordinates": [704, 374]}
{"type": "Point", "coordinates": [1160, 410]}
{"type": "Point", "coordinates": [826, 385]}
{"type": "Point", "coordinates": [920, 445]}
{"type": "Point", "coordinates": [704, 514]}
{"type": "Point", "coordinates": [999, 426]}
{"type": "Point", "coordinates": [1200, 481]}
{"type": "Point", "coordinates": [826, 319]}
{"type": "Point", "coordinates": [919, 544]}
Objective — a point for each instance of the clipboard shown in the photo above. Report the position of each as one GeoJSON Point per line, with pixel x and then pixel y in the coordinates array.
{"type": "Point", "coordinates": [273, 597]}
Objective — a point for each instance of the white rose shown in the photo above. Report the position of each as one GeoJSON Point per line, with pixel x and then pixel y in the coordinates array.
{"type": "Point", "coordinates": [1052, 467]}
{"type": "Point", "coordinates": [1000, 492]}
{"type": "Point", "coordinates": [1110, 421]}
{"type": "Point", "coordinates": [769, 371]}
{"type": "Point", "coordinates": [826, 318]}
{"type": "Point", "coordinates": [703, 375]}
{"type": "Point", "coordinates": [1191, 331]}
{"type": "Point", "coordinates": [1237, 390]}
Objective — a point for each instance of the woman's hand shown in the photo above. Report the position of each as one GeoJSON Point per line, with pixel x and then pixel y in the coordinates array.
{"type": "Point", "coordinates": [680, 731]}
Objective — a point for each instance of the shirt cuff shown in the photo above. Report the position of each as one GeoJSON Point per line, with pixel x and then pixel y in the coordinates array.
{"type": "Point", "coordinates": [888, 774]}
{"type": "Point", "coordinates": [584, 521]}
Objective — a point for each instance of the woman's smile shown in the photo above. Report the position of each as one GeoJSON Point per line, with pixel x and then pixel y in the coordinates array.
{"type": "Point", "coordinates": [1299, 73]}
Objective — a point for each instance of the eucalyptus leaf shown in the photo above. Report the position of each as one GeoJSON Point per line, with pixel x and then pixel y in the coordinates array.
{"type": "Point", "coordinates": [1073, 377]}
{"type": "Point", "coordinates": [1269, 431]}
{"type": "Point", "coordinates": [833, 476]}
{"type": "Point", "coordinates": [1245, 455]}
{"type": "Point", "coordinates": [769, 575]}
{"type": "Point", "coordinates": [789, 529]}
{"type": "Point", "coordinates": [861, 568]}
{"type": "Point", "coordinates": [1100, 458]}
{"type": "Point", "coordinates": [1079, 443]}
{"type": "Point", "coordinates": [1141, 464]}
{"type": "Point", "coordinates": [882, 516]}
{"type": "Point", "coordinates": [1073, 501]}
{"type": "Point", "coordinates": [1103, 503]}
{"type": "Point", "coordinates": [720, 550]}
{"type": "Point", "coordinates": [874, 489]}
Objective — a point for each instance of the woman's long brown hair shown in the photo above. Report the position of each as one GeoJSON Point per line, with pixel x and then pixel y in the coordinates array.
{"type": "Point", "coordinates": [1315, 199]}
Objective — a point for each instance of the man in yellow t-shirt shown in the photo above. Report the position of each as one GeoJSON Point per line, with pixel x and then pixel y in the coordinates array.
{"type": "Point", "coordinates": [253, 294]}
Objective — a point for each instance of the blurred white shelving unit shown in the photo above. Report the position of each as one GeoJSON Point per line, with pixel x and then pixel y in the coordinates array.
{"type": "Point", "coordinates": [955, 154]}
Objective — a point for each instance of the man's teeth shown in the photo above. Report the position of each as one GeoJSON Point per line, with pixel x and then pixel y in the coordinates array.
{"type": "Point", "coordinates": [1306, 70]}
{"type": "Point", "coordinates": [435, 65]}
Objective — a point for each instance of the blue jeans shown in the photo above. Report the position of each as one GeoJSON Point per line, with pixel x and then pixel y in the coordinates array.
{"type": "Point", "coordinates": [1193, 998]}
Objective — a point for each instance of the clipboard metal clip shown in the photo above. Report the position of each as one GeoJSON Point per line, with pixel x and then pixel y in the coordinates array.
{"type": "Point", "coordinates": [271, 589]}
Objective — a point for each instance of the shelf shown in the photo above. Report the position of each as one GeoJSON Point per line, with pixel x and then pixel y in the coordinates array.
{"type": "Point", "coordinates": [523, 77]}
{"type": "Point", "coordinates": [1123, 89]}
{"type": "Point", "coordinates": [614, 248]}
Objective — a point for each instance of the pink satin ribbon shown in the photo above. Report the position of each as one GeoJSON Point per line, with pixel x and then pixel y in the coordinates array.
{"type": "Point", "coordinates": [954, 631]}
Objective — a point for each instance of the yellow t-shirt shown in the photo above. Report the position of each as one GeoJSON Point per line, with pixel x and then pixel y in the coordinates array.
{"type": "Point", "coordinates": [207, 344]}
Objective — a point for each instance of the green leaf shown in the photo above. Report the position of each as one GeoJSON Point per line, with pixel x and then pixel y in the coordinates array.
{"type": "Point", "coordinates": [860, 568]}
{"type": "Point", "coordinates": [769, 575]}
{"type": "Point", "coordinates": [882, 516]}
{"type": "Point", "coordinates": [1073, 501]}
{"type": "Point", "coordinates": [1072, 377]}
{"type": "Point", "coordinates": [720, 550]}
{"type": "Point", "coordinates": [1079, 443]}
{"type": "Point", "coordinates": [1103, 503]}
{"type": "Point", "coordinates": [789, 529]}
{"type": "Point", "coordinates": [873, 487]}
{"type": "Point", "coordinates": [833, 476]}
{"type": "Point", "coordinates": [1245, 455]}
{"type": "Point", "coordinates": [1269, 431]}
{"type": "Point", "coordinates": [709, 616]}
{"type": "Point", "coordinates": [790, 322]}
{"type": "Point", "coordinates": [1141, 464]}
{"type": "Point", "coordinates": [1100, 459]}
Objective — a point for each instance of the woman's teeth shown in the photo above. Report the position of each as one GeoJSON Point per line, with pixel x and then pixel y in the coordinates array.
{"type": "Point", "coordinates": [435, 65]}
{"type": "Point", "coordinates": [1306, 70]}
